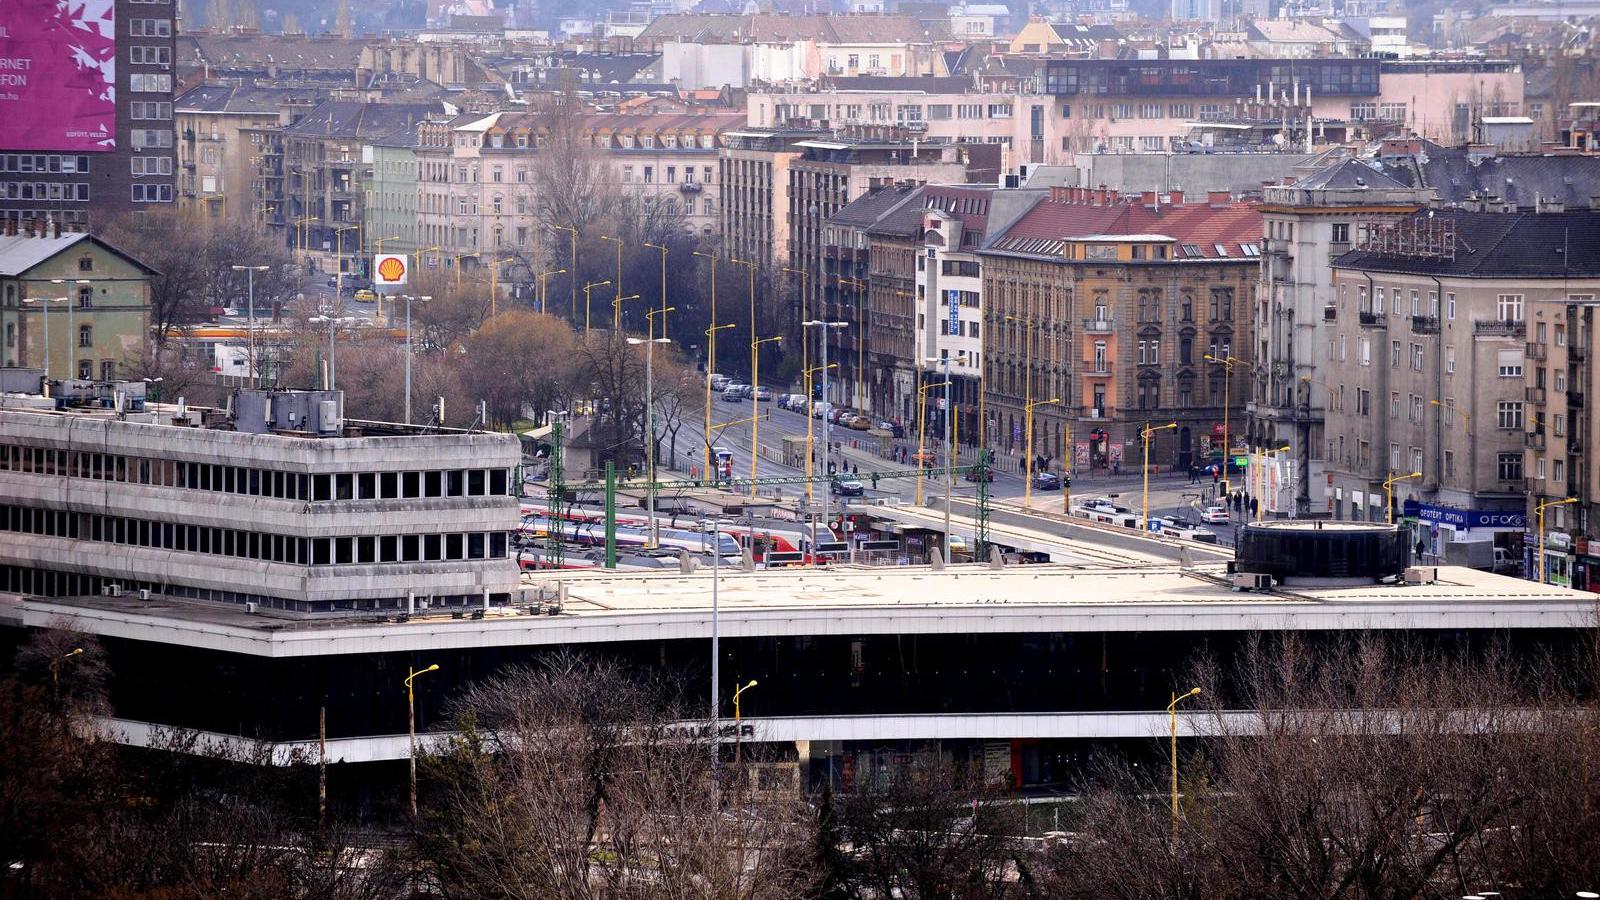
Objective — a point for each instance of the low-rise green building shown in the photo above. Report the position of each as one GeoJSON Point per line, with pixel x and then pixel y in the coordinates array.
{"type": "Point", "coordinates": [72, 304]}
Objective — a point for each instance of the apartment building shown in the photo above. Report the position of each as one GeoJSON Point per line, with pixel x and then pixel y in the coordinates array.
{"type": "Point", "coordinates": [948, 108]}
{"type": "Point", "coordinates": [829, 174]}
{"type": "Point", "coordinates": [754, 180]}
{"type": "Point", "coordinates": [83, 158]}
{"type": "Point", "coordinates": [1449, 355]}
{"type": "Point", "coordinates": [218, 130]}
{"type": "Point", "coordinates": [875, 238]}
{"type": "Point", "coordinates": [477, 179]}
{"type": "Point", "coordinates": [310, 174]}
{"type": "Point", "coordinates": [390, 188]}
{"type": "Point", "coordinates": [1145, 105]}
{"type": "Point", "coordinates": [1308, 224]}
{"type": "Point", "coordinates": [1110, 305]}
{"type": "Point", "coordinates": [71, 304]}
{"type": "Point", "coordinates": [278, 504]}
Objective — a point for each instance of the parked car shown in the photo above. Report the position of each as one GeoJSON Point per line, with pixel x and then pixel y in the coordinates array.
{"type": "Point", "coordinates": [1215, 515]}
{"type": "Point", "coordinates": [847, 486]}
{"type": "Point", "coordinates": [763, 395]}
{"type": "Point", "coordinates": [861, 423]}
{"type": "Point", "coordinates": [972, 473]}
{"type": "Point", "coordinates": [747, 391]}
{"type": "Point", "coordinates": [719, 382]}
{"type": "Point", "coordinates": [732, 395]}
{"type": "Point", "coordinates": [1046, 481]}
{"type": "Point", "coordinates": [1181, 529]}
{"type": "Point", "coordinates": [366, 296]}
{"type": "Point", "coordinates": [820, 408]}
{"type": "Point", "coordinates": [924, 458]}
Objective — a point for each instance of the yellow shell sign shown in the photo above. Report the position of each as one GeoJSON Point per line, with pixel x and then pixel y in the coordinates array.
{"type": "Point", "coordinates": [389, 269]}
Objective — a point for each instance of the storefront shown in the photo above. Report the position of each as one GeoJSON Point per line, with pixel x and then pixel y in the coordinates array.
{"type": "Point", "coordinates": [1438, 527]}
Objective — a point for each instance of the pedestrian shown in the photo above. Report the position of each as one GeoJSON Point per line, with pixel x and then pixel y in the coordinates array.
{"type": "Point", "coordinates": [854, 469]}
{"type": "Point", "coordinates": [874, 480]}
{"type": "Point", "coordinates": [1421, 549]}
{"type": "Point", "coordinates": [831, 467]}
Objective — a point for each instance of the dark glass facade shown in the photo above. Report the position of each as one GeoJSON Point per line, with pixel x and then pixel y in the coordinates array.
{"type": "Point", "coordinates": [1221, 78]}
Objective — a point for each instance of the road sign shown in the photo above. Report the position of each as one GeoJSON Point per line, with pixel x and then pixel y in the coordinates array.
{"type": "Point", "coordinates": [389, 269]}
{"type": "Point", "coordinates": [832, 546]}
{"type": "Point", "coordinates": [880, 545]}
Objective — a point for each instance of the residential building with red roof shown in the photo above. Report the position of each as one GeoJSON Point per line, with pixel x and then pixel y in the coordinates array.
{"type": "Point", "coordinates": [1112, 304]}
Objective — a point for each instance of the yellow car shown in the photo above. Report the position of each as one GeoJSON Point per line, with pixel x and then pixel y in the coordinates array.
{"type": "Point", "coordinates": [366, 296]}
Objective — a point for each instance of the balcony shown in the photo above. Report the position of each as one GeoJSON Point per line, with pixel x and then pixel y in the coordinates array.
{"type": "Point", "coordinates": [1534, 395]}
{"type": "Point", "coordinates": [1500, 327]}
{"type": "Point", "coordinates": [1574, 445]}
{"type": "Point", "coordinates": [1425, 324]}
{"type": "Point", "coordinates": [1370, 318]}
{"type": "Point", "coordinates": [1534, 440]}
{"type": "Point", "coordinates": [1097, 326]}
{"type": "Point", "coordinates": [689, 187]}
{"type": "Point", "coordinates": [1536, 350]}
{"type": "Point", "coordinates": [1577, 353]}
{"type": "Point", "coordinates": [1575, 399]}
{"type": "Point", "coordinates": [1096, 370]}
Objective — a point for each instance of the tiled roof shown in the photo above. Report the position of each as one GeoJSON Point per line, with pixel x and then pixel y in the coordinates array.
{"type": "Point", "coordinates": [869, 210]}
{"type": "Point", "coordinates": [1350, 175]}
{"type": "Point", "coordinates": [1497, 245]}
{"type": "Point", "coordinates": [20, 253]}
{"type": "Point", "coordinates": [1205, 231]}
{"type": "Point", "coordinates": [355, 119]}
{"type": "Point", "coordinates": [238, 98]}
{"type": "Point", "coordinates": [257, 51]}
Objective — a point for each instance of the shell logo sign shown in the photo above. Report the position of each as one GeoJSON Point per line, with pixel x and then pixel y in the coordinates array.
{"type": "Point", "coordinates": [389, 269]}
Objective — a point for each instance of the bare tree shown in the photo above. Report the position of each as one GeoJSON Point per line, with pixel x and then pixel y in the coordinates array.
{"type": "Point", "coordinates": [520, 359]}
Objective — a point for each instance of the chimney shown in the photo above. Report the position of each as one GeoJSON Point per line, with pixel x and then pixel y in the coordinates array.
{"type": "Point", "coordinates": [1175, 198]}
{"type": "Point", "coordinates": [1218, 198]}
{"type": "Point", "coordinates": [1059, 194]}
{"type": "Point", "coordinates": [1148, 198]}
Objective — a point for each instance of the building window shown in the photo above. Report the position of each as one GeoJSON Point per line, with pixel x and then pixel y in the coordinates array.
{"type": "Point", "coordinates": [1508, 415]}
{"type": "Point", "coordinates": [1341, 233]}
{"type": "Point", "coordinates": [85, 264]}
{"type": "Point", "coordinates": [1510, 364]}
{"type": "Point", "coordinates": [85, 369]}
{"type": "Point", "coordinates": [108, 370]}
{"type": "Point", "coordinates": [85, 336]}
{"type": "Point", "coordinates": [1509, 466]}
{"type": "Point", "coordinates": [1509, 307]}
{"type": "Point", "coordinates": [1450, 305]}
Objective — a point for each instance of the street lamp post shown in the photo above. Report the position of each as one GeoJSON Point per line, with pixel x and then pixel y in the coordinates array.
{"type": "Point", "coordinates": [55, 666]}
{"type": "Point", "coordinates": [544, 288]}
{"type": "Point", "coordinates": [250, 293]}
{"type": "Point", "coordinates": [827, 431]}
{"type": "Point", "coordinates": [408, 298]}
{"type": "Point", "coordinates": [1028, 326]}
{"type": "Point", "coordinates": [711, 359]}
{"type": "Point", "coordinates": [755, 400]}
{"type": "Point", "coordinates": [860, 391]}
{"type": "Point", "coordinates": [411, 727]}
{"type": "Point", "coordinates": [333, 362]}
{"type": "Point", "coordinates": [69, 300]}
{"type": "Point", "coordinates": [616, 311]}
{"type": "Point", "coordinates": [1172, 711]}
{"type": "Point", "coordinates": [805, 341]}
{"type": "Point", "coordinates": [738, 731]}
{"type": "Point", "coordinates": [1027, 487]}
{"type": "Point", "coordinates": [44, 316]}
{"type": "Point", "coordinates": [949, 445]}
{"type": "Point", "coordinates": [338, 237]}
{"type": "Point", "coordinates": [653, 535]}
{"type": "Point", "coordinates": [586, 305]}
{"type": "Point", "coordinates": [1388, 494]}
{"type": "Point", "coordinates": [456, 261]}
{"type": "Point", "coordinates": [922, 428]}
{"type": "Point", "coordinates": [811, 454]}
{"type": "Point", "coordinates": [1227, 363]}
{"type": "Point", "coordinates": [663, 251]}
{"type": "Point", "coordinates": [1539, 512]}
{"type": "Point", "coordinates": [1144, 435]}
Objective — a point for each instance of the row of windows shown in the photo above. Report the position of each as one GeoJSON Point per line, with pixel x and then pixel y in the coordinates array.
{"type": "Point", "coordinates": [151, 83]}
{"type": "Point", "coordinates": [365, 550]}
{"type": "Point", "coordinates": [39, 162]}
{"type": "Point", "coordinates": [77, 191]}
{"type": "Point", "coordinates": [150, 56]}
{"type": "Point", "coordinates": [150, 27]}
{"type": "Point", "coordinates": [150, 165]}
{"type": "Point", "coordinates": [256, 482]}
{"type": "Point", "coordinates": [151, 193]}
{"type": "Point", "coordinates": [149, 110]}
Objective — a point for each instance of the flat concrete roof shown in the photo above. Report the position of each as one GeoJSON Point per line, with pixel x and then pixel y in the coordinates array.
{"type": "Point", "coordinates": [602, 607]}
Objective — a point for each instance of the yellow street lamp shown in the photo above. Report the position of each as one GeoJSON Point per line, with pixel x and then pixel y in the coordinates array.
{"type": "Point", "coordinates": [456, 261]}
{"type": "Point", "coordinates": [1539, 512]}
{"type": "Point", "coordinates": [1144, 435]}
{"type": "Point", "coordinates": [572, 263]}
{"type": "Point", "coordinates": [805, 316]}
{"type": "Point", "coordinates": [755, 400]}
{"type": "Point", "coordinates": [55, 665]}
{"type": "Point", "coordinates": [616, 311]}
{"type": "Point", "coordinates": [663, 251]}
{"type": "Point", "coordinates": [586, 302]}
{"type": "Point", "coordinates": [1227, 363]}
{"type": "Point", "coordinates": [1388, 494]}
{"type": "Point", "coordinates": [618, 242]}
{"type": "Point", "coordinates": [411, 727]}
{"type": "Point", "coordinates": [810, 402]}
{"type": "Point", "coordinates": [1172, 711]}
{"type": "Point", "coordinates": [1027, 411]}
{"type": "Point", "coordinates": [544, 287]}
{"type": "Point", "coordinates": [1028, 327]}
{"type": "Point", "coordinates": [711, 355]}
{"type": "Point", "coordinates": [338, 277]}
{"type": "Point", "coordinates": [922, 427]}
{"type": "Point", "coordinates": [1261, 480]}
{"type": "Point", "coordinates": [738, 732]}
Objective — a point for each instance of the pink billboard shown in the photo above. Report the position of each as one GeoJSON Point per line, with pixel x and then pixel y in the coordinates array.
{"type": "Point", "coordinates": [58, 75]}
